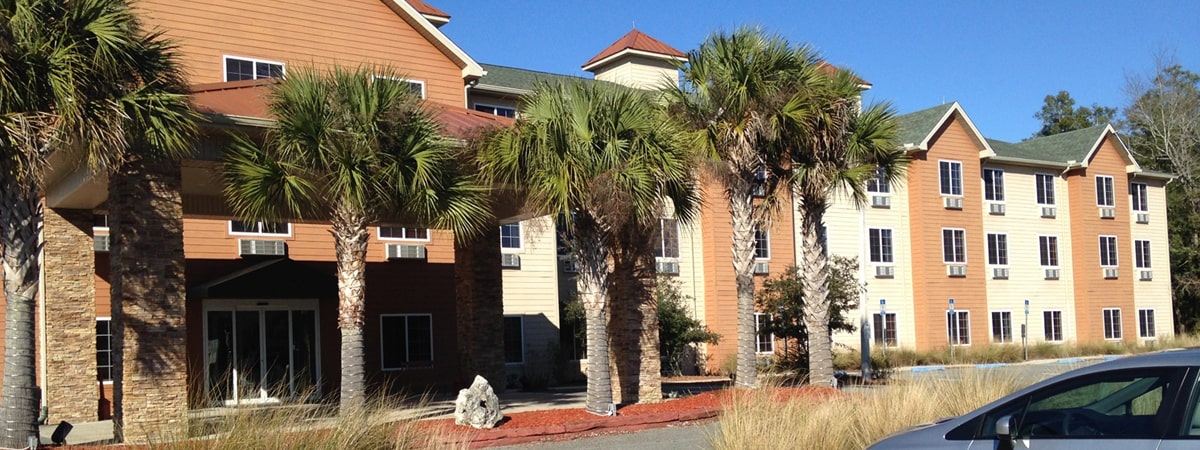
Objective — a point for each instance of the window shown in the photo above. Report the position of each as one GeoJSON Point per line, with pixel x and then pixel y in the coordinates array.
{"type": "Point", "coordinates": [1052, 325]}
{"type": "Point", "coordinates": [404, 233]}
{"type": "Point", "coordinates": [666, 239]}
{"type": "Point", "coordinates": [414, 87]}
{"type": "Point", "coordinates": [510, 236]}
{"type": "Point", "coordinates": [1045, 189]}
{"type": "Point", "coordinates": [1141, 254]}
{"type": "Point", "coordinates": [954, 245]}
{"type": "Point", "coordinates": [104, 363]}
{"type": "Point", "coordinates": [958, 326]}
{"type": "Point", "coordinates": [497, 110]}
{"type": "Point", "coordinates": [1108, 251]}
{"type": "Point", "coordinates": [1048, 246]}
{"type": "Point", "coordinates": [514, 339]}
{"type": "Point", "coordinates": [993, 185]}
{"type": "Point", "coordinates": [407, 340]}
{"type": "Point", "coordinates": [884, 331]}
{"type": "Point", "coordinates": [764, 342]}
{"type": "Point", "coordinates": [1112, 323]}
{"type": "Point", "coordinates": [1137, 196]}
{"type": "Point", "coordinates": [99, 222]}
{"type": "Point", "coordinates": [876, 185]}
{"type": "Point", "coordinates": [950, 176]}
{"type": "Point", "coordinates": [759, 187]}
{"type": "Point", "coordinates": [1104, 191]}
{"type": "Point", "coordinates": [881, 245]}
{"type": "Point", "coordinates": [264, 228]}
{"type": "Point", "coordinates": [1146, 323]}
{"type": "Point", "coordinates": [762, 244]}
{"type": "Point", "coordinates": [997, 249]}
{"type": "Point", "coordinates": [1002, 326]}
{"type": "Point", "coordinates": [251, 69]}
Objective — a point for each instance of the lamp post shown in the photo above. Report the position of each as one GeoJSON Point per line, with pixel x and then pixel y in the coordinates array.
{"type": "Point", "coordinates": [951, 327]}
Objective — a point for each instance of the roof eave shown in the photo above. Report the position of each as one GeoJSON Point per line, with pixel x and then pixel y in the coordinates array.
{"type": "Point", "coordinates": [629, 51]}
{"type": "Point", "coordinates": [1028, 162]}
{"type": "Point", "coordinates": [501, 89]}
{"type": "Point", "coordinates": [470, 69]}
{"type": "Point", "coordinates": [236, 120]}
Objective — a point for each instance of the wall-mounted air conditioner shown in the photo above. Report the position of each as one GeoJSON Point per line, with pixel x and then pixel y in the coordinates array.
{"type": "Point", "coordinates": [1110, 272]}
{"type": "Point", "coordinates": [761, 268]}
{"type": "Point", "coordinates": [1145, 275]}
{"type": "Point", "coordinates": [953, 202]}
{"type": "Point", "coordinates": [261, 247]}
{"type": "Point", "coordinates": [667, 267]}
{"type": "Point", "coordinates": [1049, 212]}
{"type": "Point", "coordinates": [885, 271]}
{"type": "Point", "coordinates": [510, 260]}
{"type": "Point", "coordinates": [1108, 213]}
{"type": "Point", "coordinates": [881, 201]}
{"type": "Point", "coordinates": [1051, 274]}
{"type": "Point", "coordinates": [100, 243]}
{"type": "Point", "coordinates": [1000, 273]}
{"type": "Point", "coordinates": [405, 251]}
{"type": "Point", "coordinates": [996, 209]}
{"type": "Point", "coordinates": [956, 271]}
{"type": "Point", "coordinates": [1143, 217]}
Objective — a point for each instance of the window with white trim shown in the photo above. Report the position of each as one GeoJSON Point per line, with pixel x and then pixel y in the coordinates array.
{"type": "Point", "coordinates": [1052, 326]}
{"type": "Point", "coordinates": [950, 177]}
{"type": "Point", "coordinates": [1108, 251]}
{"type": "Point", "coordinates": [1104, 191]}
{"type": "Point", "coordinates": [881, 245]}
{"type": "Point", "coordinates": [510, 236]}
{"type": "Point", "coordinates": [954, 245]}
{"type": "Point", "coordinates": [99, 222]}
{"type": "Point", "coordinates": [415, 87]}
{"type": "Point", "coordinates": [514, 339]}
{"type": "Point", "coordinates": [502, 111]}
{"type": "Point", "coordinates": [1112, 323]}
{"type": "Point", "coordinates": [763, 342]}
{"type": "Point", "coordinates": [997, 244]}
{"type": "Point", "coordinates": [958, 327]}
{"type": "Point", "coordinates": [1138, 197]}
{"type": "Point", "coordinates": [1146, 323]}
{"type": "Point", "coordinates": [403, 233]}
{"type": "Point", "coordinates": [666, 239]}
{"type": "Point", "coordinates": [237, 69]}
{"type": "Point", "coordinates": [1045, 189]}
{"type": "Point", "coordinates": [993, 185]}
{"type": "Point", "coordinates": [104, 362]}
{"type": "Point", "coordinates": [762, 244]}
{"type": "Point", "coordinates": [1002, 326]}
{"type": "Point", "coordinates": [260, 228]}
{"type": "Point", "coordinates": [1141, 254]}
{"type": "Point", "coordinates": [877, 185]}
{"type": "Point", "coordinates": [406, 341]}
{"type": "Point", "coordinates": [1048, 250]}
{"type": "Point", "coordinates": [884, 333]}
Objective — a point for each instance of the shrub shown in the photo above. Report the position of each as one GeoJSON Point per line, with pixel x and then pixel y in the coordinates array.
{"type": "Point", "coordinates": [677, 329]}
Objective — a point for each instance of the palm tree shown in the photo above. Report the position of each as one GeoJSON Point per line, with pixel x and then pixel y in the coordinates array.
{"type": "Point", "coordinates": [606, 160]}
{"type": "Point", "coordinates": [352, 147]}
{"type": "Point", "coordinates": [83, 81]}
{"type": "Point", "coordinates": [734, 91]}
{"type": "Point", "coordinates": [835, 149]}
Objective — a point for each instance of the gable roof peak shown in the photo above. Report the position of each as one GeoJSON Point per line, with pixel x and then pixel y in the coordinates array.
{"type": "Point", "coordinates": [634, 41]}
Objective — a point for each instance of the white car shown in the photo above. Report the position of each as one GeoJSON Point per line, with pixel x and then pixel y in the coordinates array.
{"type": "Point", "coordinates": [1140, 402]}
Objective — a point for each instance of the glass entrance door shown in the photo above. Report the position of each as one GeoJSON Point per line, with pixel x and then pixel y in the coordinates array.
{"type": "Point", "coordinates": [261, 352]}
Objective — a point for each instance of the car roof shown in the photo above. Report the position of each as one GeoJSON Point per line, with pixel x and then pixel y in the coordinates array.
{"type": "Point", "coordinates": [1164, 358]}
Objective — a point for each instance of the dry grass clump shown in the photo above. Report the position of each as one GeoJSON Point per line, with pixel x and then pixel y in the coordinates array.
{"type": "Point", "coordinates": [755, 421]}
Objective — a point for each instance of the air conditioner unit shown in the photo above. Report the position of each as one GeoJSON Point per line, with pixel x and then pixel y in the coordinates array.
{"type": "Point", "coordinates": [1143, 217]}
{"type": "Point", "coordinates": [1110, 272]}
{"type": "Point", "coordinates": [1051, 274]}
{"type": "Point", "coordinates": [100, 243]}
{"type": "Point", "coordinates": [953, 202]}
{"type": "Point", "coordinates": [885, 271]}
{"type": "Point", "coordinates": [1108, 213]}
{"type": "Point", "coordinates": [1049, 211]}
{"type": "Point", "coordinates": [405, 251]}
{"type": "Point", "coordinates": [759, 190]}
{"type": "Point", "coordinates": [956, 271]}
{"type": "Point", "coordinates": [569, 266]}
{"type": "Point", "coordinates": [261, 247]}
{"type": "Point", "coordinates": [761, 268]}
{"type": "Point", "coordinates": [510, 260]}
{"type": "Point", "coordinates": [667, 267]}
{"type": "Point", "coordinates": [1000, 272]}
{"type": "Point", "coordinates": [1145, 275]}
{"type": "Point", "coordinates": [996, 208]}
{"type": "Point", "coordinates": [881, 201]}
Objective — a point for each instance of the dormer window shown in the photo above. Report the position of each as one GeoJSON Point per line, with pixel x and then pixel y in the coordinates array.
{"type": "Point", "coordinates": [237, 69]}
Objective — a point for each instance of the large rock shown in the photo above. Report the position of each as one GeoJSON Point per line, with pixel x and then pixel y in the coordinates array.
{"type": "Point", "coordinates": [477, 405]}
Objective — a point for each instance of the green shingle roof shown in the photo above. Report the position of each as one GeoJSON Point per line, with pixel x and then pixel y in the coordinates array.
{"type": "Point", "coordinates": [915, 126]}
{"type": "Point", "coordinates": [514, 78]}
{"type": "Point", "coordinates": [1059, 148]}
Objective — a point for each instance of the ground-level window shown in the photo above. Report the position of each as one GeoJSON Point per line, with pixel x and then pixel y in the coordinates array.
{"type": "Point", "coordinates": [407, 340]}
{"type": "Point", "coordinates": [104, 363]}
{"type": "Point", "coordinates": [764, 342]}
{"type": "Point", "coordinates": [514, 339]}
{"type": "Point", "coordinates": [1002, 326]}
{"type": "Point", "coordinates": [958, 326]}
{"type": "Point", "coordinates": [883, 328]}
{"type": "Point", "coordinates": [1052, 325]}
{"type": "Point", "coordinates": [1146, 323]}
{"type": "Point", "coordinates": [1112, 323]}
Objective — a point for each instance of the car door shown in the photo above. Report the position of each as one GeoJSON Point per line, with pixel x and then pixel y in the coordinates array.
{"type": "Point", "coordinates": [1188, 436]}
{"type": "Point", "coordinates": [1122, 409]}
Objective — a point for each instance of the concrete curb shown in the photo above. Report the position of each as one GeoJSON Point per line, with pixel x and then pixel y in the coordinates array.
{"type": "Point", "coordinates": [499, 437]}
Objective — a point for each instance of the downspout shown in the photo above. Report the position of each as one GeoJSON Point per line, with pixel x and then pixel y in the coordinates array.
{"type": "Point", "coordinates": [41, 312]}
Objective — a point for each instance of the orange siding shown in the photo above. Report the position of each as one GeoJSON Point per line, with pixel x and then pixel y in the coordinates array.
{"type": "Point", "coordinates": [932, 287]}
{"type": "Point", "coordinates": [1094, 293]}
{"type": "Point", "coordinates": [348, 32]}
{"type": "Point", "coordinates": [206, 238]}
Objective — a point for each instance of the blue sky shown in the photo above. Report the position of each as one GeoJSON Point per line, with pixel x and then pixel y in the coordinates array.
{"type": "Point", "coordinates": [999, 59]}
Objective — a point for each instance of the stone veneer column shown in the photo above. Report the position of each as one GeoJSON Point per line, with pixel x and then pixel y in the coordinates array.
{"type": "Point", "coordinates": [149, 299]}
{"type": "Point", "coordinates": [480, 309]}
{"type": "Point", "coordinates": [69, 271]}
{"type": "Point", "coordinates": [633, 331]}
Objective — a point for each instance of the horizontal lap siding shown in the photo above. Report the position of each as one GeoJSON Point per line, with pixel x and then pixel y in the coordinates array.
{"type": "Point", "coordinates": [1156, 293]}
{"type": "Point", "coordinates": [529, 291]}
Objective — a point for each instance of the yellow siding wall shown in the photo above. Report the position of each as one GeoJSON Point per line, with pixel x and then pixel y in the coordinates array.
{"type": "Point", "coordinates": [640, 72]}
{"type": "Point", "coordinates": [1154, 293]}
{"type": "Point", "coordinates": [531, 290]}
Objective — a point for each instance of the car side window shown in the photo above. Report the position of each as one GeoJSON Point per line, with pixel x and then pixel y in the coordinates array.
{"type": "Point", "coordinates": [1130, 403]}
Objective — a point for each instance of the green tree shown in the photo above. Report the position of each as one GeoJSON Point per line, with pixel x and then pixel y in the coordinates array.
{"type": "Point", "coordinates": [734, 92]}
{"type": "Point", "coordinates": [677, 329]}
{"type": "Point", "coordinates": [783, 298]}
{"type": "Point", "coordinates": [835, 148]}
{"type": "Point", "coordinates": [352, 147]}
{"type": "Point", "coordinates": [83, 81]}
{"type": "Point", "coordinates": [1059, 115]}
{"type": "Point", "coordinates": [608, 162]}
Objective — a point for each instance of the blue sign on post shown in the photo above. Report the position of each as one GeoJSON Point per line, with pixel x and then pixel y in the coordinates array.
{"type": "Point", "coordinates": [951, 305]}
{"type": "Point", "coordinates": [1026, 306]}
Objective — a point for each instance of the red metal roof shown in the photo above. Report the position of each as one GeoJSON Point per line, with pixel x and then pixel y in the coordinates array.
{"type": "Point", "coordinates": [249, 99]}
{"type": "Point", "coordinates": [427, 9]}
{"type": "Point", "coordinates": [636, 40]}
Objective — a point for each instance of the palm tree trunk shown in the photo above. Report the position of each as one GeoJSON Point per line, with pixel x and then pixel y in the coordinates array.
{"type": "Point", "coordinates": [599, 385]}
{"type": "Point", "coordinates": [815, 284]}
{"type": "Point", "coordinates": [350, 239]}
{"type": "Point", "coordinates": [20, 232]}
{"type": "Point", "coordinates": [741, 209]}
